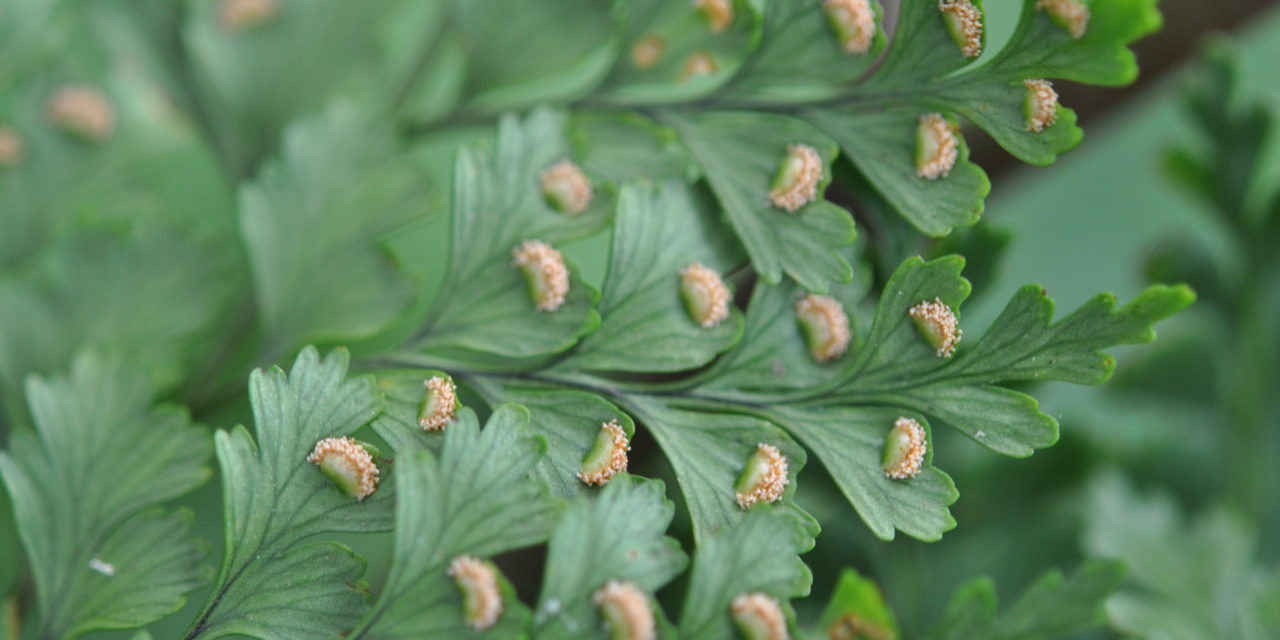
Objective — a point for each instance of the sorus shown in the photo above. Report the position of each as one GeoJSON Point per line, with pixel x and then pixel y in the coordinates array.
{"type": "Point", "coordinates": [544, 272]}
{"type": "Point", "coordinates": [627, 611]}
{"type": "Point", "coordinates": [705, 295]}
{"type": "Point", "coordinates": [1072, 15]}
{"type": "Point", "coordinates": [699, 63]}
{"type": "Point", "coordinates": [1040, 106]}
{"type": "Point", "coordinates": [964, 24]}
{"type": "Point", "coordinates": [648, 51]}
{"type": "Point", "coordinates": [763, 478]}
{"type": "Point", "coordinates": [759, 617]}
{"type": "Point", "coordinates": [607, 456]}
{"type": "Point", "coordinates": [718, 13]}
{"type": "Point", "coordinates": [825, 326]}
{"type": "Point", "coordinates": [239, 15]}
{"type": "Point", "coordinates": [937, 146]}
{"type": "Point", "coordinates": [81, 111]}
{"type": "Point", "coordinates": [566, 187]}
{"type": "Point", "coordinates": [904, 449]}
{"type": "Point", "coordinates": [854, 22]}
{"type": "Point", "coordinates": [937, 324]}
{"type": "Point", "coordinates": [481, 598]}
{"type": "Point", "coordinates": [439, 403]}
{"type": "Point", "coordinates": [348, 463]}
{"type": "Point", "coordinates": [10, 147]}
{"type": "Point", "coordinates": [796, 183]}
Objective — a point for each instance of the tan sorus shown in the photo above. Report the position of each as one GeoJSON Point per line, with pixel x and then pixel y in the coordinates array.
{"type": "Point", "coordinates": [705, 295]}
{"type": "Point", "coordinates": [439, 403]}
{"type": "Point", "coordinates": [477, 580]}
{"type": "Point", "coordinates": [647, 51]}
{"type": "Point", "coordinates": [851, 626]}
{"type": "Point", "coordinates": [349, 464]}
{"type": "Point", "coordinates": [11, 148]}
{"type": "Point", "coordinates": [796, 182]}
{"type": "Point", "coordinates": [1072, 15]}
{"type": "Point", "coordinates": [718, 13]}
{"type": "Point", "coordinates": [763, 478]}
{"type": "Point", "coordinates": [937, 146]}
{"type": "Point", "coordinates": [81, 111]}
{"type": "Point", "coordinates": [964, 25]}
{"type": "Point", "coordinates": [759, 617]}
{"type": "Point", "coordinates": [627, 611]}
{"type": "Point", "coordinates": [566, 187]}
{"type": "Point", "coordinates": [854, 22]}
{"type": "Point", "coordinates": [607, 456]}
{"type": "Point", "coordinates": [239, 15]}
{"type": "Point", "coordinates": [904, 448]}
{"type": "Point", "coordinates": [937, 325]}
{"type": "Point", "coordinates": [544, 272]}
{"type": "Point", "coordinates": [1040, 105]}
{"type": "Point", "coordinates": [825, 326]}
{"type": "Point", "coordinates": [699, 63]}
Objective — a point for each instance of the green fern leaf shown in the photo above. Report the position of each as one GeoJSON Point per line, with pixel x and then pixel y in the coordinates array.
{"type": "Point", "coordinates": [272, 583]}
{"type": "Point", "coordinates": [84, 487]}
{"type": "Point", "coordinates": [474, 499]}
{"type": "Point", "coordinates": [615, 536]}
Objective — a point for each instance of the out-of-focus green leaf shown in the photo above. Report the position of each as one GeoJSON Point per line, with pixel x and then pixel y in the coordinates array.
{"type": "Point", "coordinates": [84, 486]}
{"type": "Point", "coordinates": [476, 500]}
{"type": "Point", "coordinates": [1186, 580]}
{"type": "Point", "coordinates": [620, 146]}
{"type": "Point", "coordinates": [1053, 607]}
{"type": "Point", "coordinates": [292, 65]}
{"type": "Point", "coordinates": [512, 63]}
{"type": "Point", "coordinates": [857, 609]}
{"type": "Point", "coordinates": [616, 536]}
{"type": "Point", "coordinates": [272, 583]}
{"type": "Point", "coordinates": [313, 223]}
{"type": "Point", "coordinates": [85, 291]}
{"type": "Point", "coordinates": [676, 34]}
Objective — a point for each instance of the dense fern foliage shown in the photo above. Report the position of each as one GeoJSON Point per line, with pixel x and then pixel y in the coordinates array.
{"type": "Point", "coordinates": [593, 228]}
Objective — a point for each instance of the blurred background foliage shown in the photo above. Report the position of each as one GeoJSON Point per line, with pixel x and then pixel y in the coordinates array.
{"type": "Point", "coordinates": [1172, 468]}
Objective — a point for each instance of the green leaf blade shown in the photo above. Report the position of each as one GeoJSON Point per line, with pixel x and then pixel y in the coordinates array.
{"type": "Point", "coordinates": [320, 269]}
{"type": "Point", "coordinates": [84, 486]}
{"type": "Point", "coordinates": [275, 499]}
{"type": "Point", "coordinates": [616, 536]}
{"type": "Point", "coordinates": [659, 231]}
{"type": "Point", "coordinates": [849, 442]}
{"type": "Point", "coordinates": [759, 554]}
{"type": "Point", "coordinates": [475, 499]}
{"type": "Point", "coordinates": [708, 450]}
{"type": "Point", "coordinates": [881, 144]}
{"type": "Point", "coordinates": [740, 153]}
